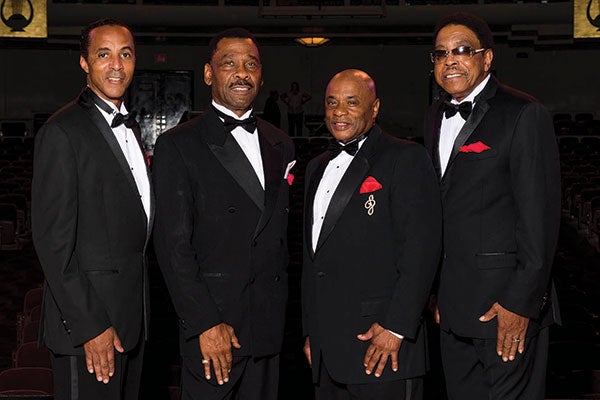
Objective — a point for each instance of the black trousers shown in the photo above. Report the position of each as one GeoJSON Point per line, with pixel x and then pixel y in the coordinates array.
{"type": "Point", "coordinates": [249, 379]}
{"type": "Point", "coordinates": [474, 371]}
{"type": "Point", "coordinates": [72, 381]}
{"type": "Point", "coordinates": [401, 389]}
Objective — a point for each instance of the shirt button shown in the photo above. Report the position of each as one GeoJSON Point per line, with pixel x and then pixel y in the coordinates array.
{"type": "Point", "coordinates": [320, 274]}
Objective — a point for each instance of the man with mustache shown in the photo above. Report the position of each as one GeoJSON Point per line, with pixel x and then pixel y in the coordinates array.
{"type": "Point", "coordinates": [222, 183]}
{"type": "Point", "coordinates": [92, 216]}
{"type": "Point", "coordinates": [372, 240]}
{"type": "Point", "coordinates": [495, 152]}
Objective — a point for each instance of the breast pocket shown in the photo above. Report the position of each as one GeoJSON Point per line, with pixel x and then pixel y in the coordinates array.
{"type": "Point", "coordinates": [491, 153]}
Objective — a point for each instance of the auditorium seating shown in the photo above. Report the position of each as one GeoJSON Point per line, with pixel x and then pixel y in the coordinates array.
{"type": "Point", "coordinates": [33, 298]}
{"type": "Point", "coordinates": [8, 227]}
{"type": "Point", "coordinates": [29, 354]}
{"type": "Point", "coordinates": [16, 170]}
{"type": "Point", "coordinates": [574, 354]}
{"type": "Point", "coordinates": [34, 380]}
{"type": "Point", "coordinates": [30, 332]}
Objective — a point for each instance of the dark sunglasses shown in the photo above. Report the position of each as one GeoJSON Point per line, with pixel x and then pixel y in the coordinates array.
{"type": "Point", "coordinates": [461, 52]}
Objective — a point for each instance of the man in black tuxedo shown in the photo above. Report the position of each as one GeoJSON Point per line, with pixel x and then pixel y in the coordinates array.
{"type": "Point", "coordinates": [222, 184]}
{"type": "Point", "coordinates": [92, 216]}
{"type": "Point", "coordinates": [500, 184]}
{"type": "Point", "coordinates": [372, 237]}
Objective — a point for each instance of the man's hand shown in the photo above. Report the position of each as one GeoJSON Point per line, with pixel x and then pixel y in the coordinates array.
{"type": "Point", "coordinates": [434, 309]}
{"type": "Point", "coordinates": [215, 346]}
{"type": "Point", "coordinates": [100, 354]}
{"type": "Point", "coordinates": [511, 331]}
{"type": "Point", "coordinates": [384, 344]}
{"type": "Point", "coordinates": [306, 350]}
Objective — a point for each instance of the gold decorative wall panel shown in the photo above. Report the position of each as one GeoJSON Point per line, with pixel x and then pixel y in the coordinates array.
{"type": "Point", "coordinates": [586, 19]}
{"type": "Point", "coordinates": [23, 18]}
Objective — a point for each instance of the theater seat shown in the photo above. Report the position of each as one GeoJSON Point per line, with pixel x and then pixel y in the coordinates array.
{"type": "Point", "coordinates": [30, 355]}
{"type": "Point", "coordinates": [30, 332]}
{"type": "Point", "coordinates": [27, 378]}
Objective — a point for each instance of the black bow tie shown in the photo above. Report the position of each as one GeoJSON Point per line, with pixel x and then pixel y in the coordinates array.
{"type": "Point", "coordinates": [335, 147]}
{"type": "Point", "coordinates": [128, 120]}
{"type": "Point", "coordinates": [464, 109]}
{"type": "Point", "coordinates": [230, 123]}
{"type": "Point", "coordinates": [118, 119]}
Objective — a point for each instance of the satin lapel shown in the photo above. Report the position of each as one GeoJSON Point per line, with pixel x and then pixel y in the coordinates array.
{"type": "Point", "coordinates": [233, 159]}
{"type": "Point", "coordinates": [481, 108]}
{"type": "Point", "coordinates": [137, 132]}
{"type": "Point", "coordinates": [271, 151]}
{"type": "Point", "coordinates": [311, 190]}
{"type": "Point", "coordinates": [110, 138]}
{"type": "Point", "coordinates": [349, 185]}
{"type": "Point", "coordinates": [435, 139]}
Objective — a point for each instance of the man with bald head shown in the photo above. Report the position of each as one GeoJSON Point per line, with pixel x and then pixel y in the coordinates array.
{"type": "Point", "coordinates": [372, 236]}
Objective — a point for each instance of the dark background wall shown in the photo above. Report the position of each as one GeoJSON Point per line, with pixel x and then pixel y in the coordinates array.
{"type": "Point", "coordinates": [39, 81]}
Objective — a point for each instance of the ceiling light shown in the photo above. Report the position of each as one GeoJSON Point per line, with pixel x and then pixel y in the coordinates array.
{"type": "Point", "coordinates": [312, 41]}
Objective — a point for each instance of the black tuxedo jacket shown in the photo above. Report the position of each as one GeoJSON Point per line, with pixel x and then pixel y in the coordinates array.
{"type": "Point", "coordinates": [90, 231]}
{"type": "Point", "coordinates": [371, 268]}
{"type": "Point", "coordinates": [220, 239]}
{"type": "Point", "coordinates": [501, 212]}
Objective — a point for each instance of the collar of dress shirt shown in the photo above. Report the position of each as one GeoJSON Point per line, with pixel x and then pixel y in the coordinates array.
{"type": "Point", "coordinates": [231, 113]}
{"type": "Point", "coordinates": [361, 141]}
{"type": "Point", "coordinates": [474, 93]}
{"type": "Point", "coordinates": [122, 110]}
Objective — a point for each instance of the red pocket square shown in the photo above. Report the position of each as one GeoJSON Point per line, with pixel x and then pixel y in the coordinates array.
{"type": "Point", "coordinates": [476, 147]}
{"type": "Point", "coordinates": [290, 179]}
{"type": "Point", "coordinates": [370, 185]}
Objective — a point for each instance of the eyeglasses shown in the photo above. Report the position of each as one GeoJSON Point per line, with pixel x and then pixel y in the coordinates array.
{"type": "Point", "coordinates": [460, 53]}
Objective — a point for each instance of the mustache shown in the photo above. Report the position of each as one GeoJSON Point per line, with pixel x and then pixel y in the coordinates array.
{"type": "Point", "coordinates": [119, 75]}
{"type": "Point", "coordinates": [454, 70]}
{"type": "Point", "coordinates": [241, 82]}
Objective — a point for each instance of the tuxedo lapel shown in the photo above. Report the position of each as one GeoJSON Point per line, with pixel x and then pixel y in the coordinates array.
{"type": "Point", "coordinates": [481, 108]}
{"type": "Point", "coordinates": [311, 190]}
{"type": "Point", "coordinates": [271, 151]}
{"type": "Point", "coordinates": [435, 140]}
{"type": "Point", "coordinates": [232, 157]}
{"type": "Point", "coordinates": [348, 186]}
{"type": "Point", "coordinates": [100, 123]}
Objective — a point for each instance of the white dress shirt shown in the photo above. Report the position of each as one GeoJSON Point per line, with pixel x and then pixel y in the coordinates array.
{"type": "Point", "coordinates": [451, 127]}
{"type": "Point", "coordinates": [133, 154]}
{"type": "Point", "coordinates": [247, 141]}
{"type": "Point", "coordinates": [333, 174]}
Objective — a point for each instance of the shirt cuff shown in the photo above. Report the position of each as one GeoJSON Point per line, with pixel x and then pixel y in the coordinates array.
{"type": "Point", "coordinates": [399, 336]}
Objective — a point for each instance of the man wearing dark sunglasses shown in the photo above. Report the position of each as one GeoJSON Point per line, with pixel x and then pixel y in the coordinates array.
{"type": "Point", "coordinates": [495, 153]}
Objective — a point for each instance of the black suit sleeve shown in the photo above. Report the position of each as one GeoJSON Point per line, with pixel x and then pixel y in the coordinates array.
{"type": "Point", "coordinates": [54, 203]}
{"type": "Point", "coordinates": [173, 231]}
{"type": "Point", "coordinates": [535, 184]}
{"type": "Point", "coordinates": [417, 219]}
